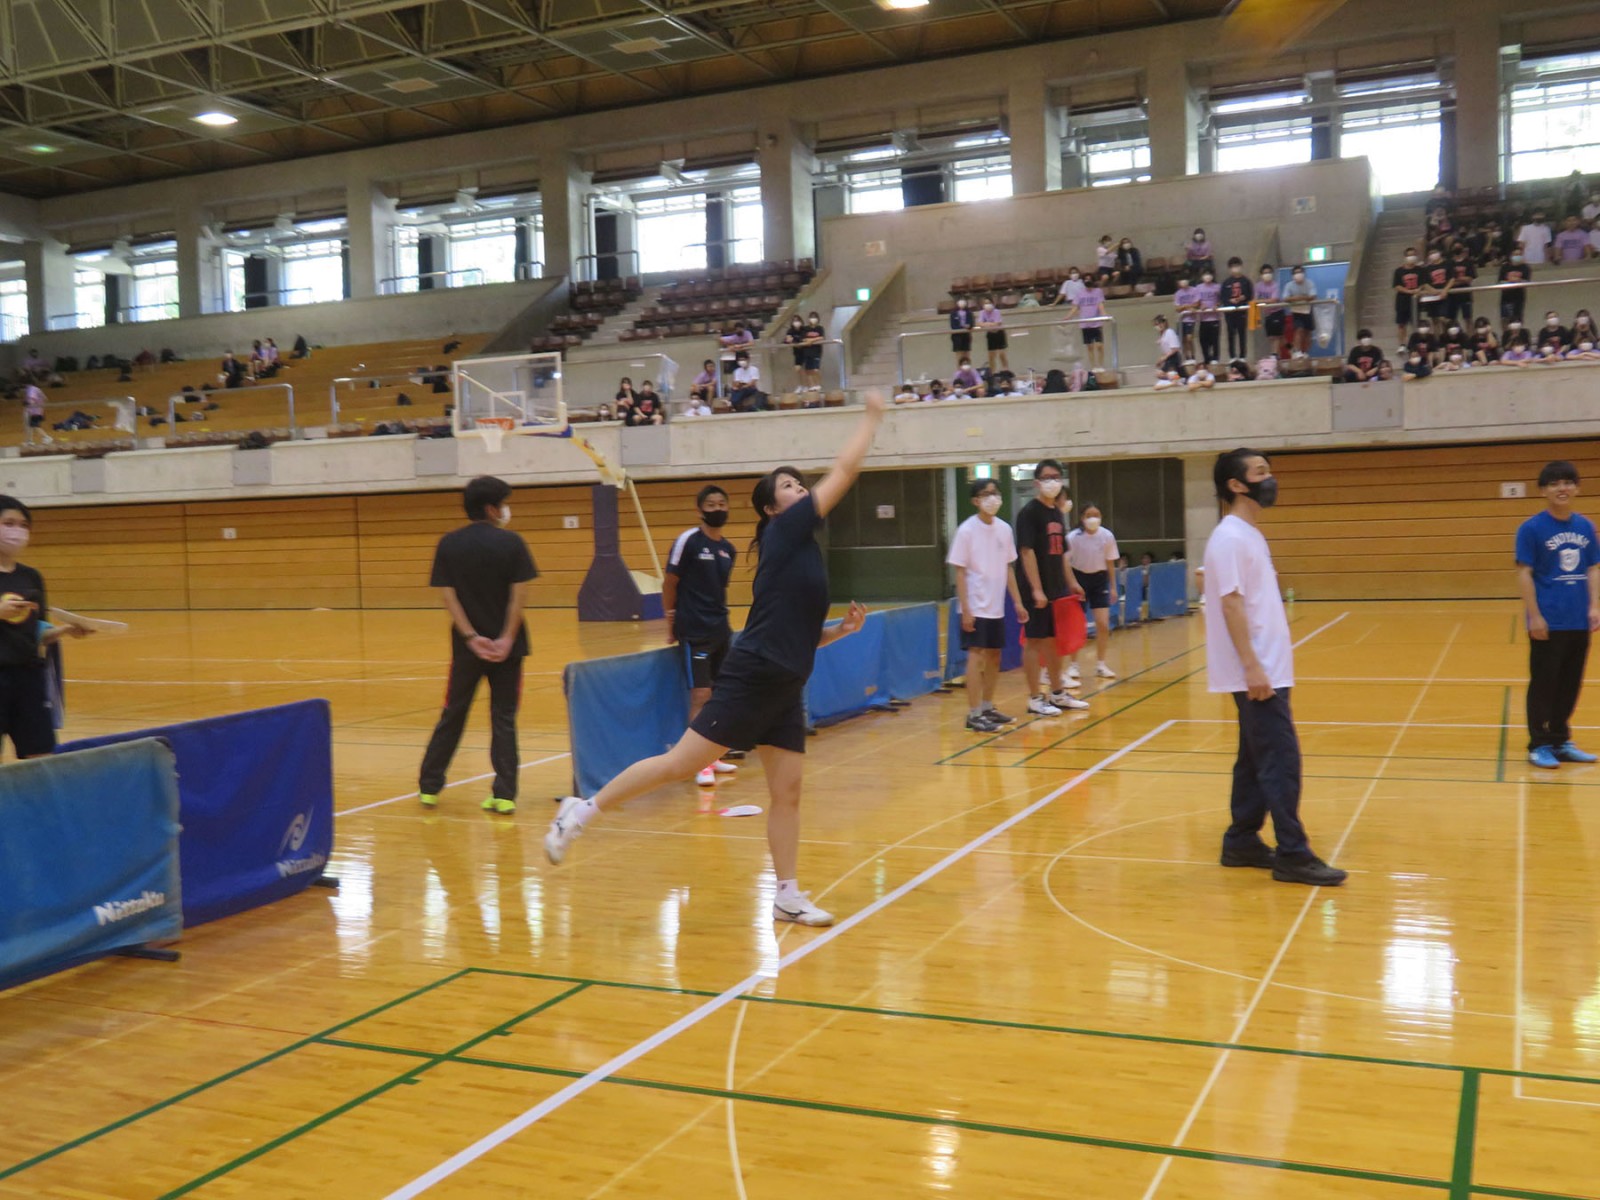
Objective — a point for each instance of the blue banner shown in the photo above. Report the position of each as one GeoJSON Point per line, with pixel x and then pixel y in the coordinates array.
{"type": "Point", "coordinates": [1133, 580]}
{"type": "Point", "coordinates": [256, 795]}
{"type": "Point", "coordinates": [848, 675]}
{"type": "Point", "coordinates": [89, 860]}
{"type": "Point", "coordinates": [623, 709]}
{"type": "Point", "coordinates": [910, 650]}
{"type": "Point", "coordinates": [1169, 589]}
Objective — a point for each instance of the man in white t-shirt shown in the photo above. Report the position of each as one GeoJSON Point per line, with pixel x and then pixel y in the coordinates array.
{"type": "Point", "coordinates": [982, 553]}
{"type": "Point", "coordinates": [1249, 656]}
{"type": "Point", "coordinates": [1535, 238]}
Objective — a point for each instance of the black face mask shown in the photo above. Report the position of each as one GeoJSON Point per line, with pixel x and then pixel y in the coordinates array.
{"type": "Point", "coordinates": [717, 518]}
{"type": "Point", "coordinates": [1263, 491]}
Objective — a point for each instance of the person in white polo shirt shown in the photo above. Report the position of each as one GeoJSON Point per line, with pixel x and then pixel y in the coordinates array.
{"type": "Point", "coordinates": [982, 553]}
{"type": "Point", "coordinates": [1092, 554]}
{"type": "Point", "coordinates": [1249, 656]}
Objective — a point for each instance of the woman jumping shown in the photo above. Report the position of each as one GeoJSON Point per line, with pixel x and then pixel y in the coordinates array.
{"type": "Point", "coordinates": [758, 698]}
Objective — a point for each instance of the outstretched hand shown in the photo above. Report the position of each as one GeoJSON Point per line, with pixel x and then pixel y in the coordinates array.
{"type": "Point", "coordinates": [873, 401]}
{"type": "Point", "coordinates": [854, 619]}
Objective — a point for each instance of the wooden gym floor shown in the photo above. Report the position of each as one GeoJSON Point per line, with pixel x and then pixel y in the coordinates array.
{"type": "Point", "coordinates": [1079, 1003]}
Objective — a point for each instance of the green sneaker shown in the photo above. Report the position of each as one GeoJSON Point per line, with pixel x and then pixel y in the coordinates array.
{"type": "Point", "coordinates": [496, 805]}
{"type": "Point", "coordinates": [428, 801]}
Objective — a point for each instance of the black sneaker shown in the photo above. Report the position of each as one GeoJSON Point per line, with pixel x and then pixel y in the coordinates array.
{"type": "Point", "coordinates": [998, 717]}
{"type": "Point", "coordinates": [1311, 871]}
{"type": "Point", "coordinates": [981, 724]}
{"type": "Point", "coordinates": [1259, 855]}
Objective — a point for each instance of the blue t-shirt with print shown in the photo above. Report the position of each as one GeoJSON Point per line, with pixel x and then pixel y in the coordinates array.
{"type": "Point", "coordinates": [1560, 553]}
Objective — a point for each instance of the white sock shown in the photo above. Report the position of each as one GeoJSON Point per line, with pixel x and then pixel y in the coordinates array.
{"type": "Point", "coordinates": [585, 812]}
{"type": "Point", "coordinates": [788, 889]}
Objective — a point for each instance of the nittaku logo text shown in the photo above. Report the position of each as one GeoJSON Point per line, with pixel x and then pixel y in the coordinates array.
{"type": "Point", "coordinates": [120, 910]}
{"type": "Point", "coordinates": [299, 866]}
{"type": "Point", "coordinates": [294, 838]}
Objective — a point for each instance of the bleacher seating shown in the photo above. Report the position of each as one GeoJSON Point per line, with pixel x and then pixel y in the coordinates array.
{"type": "Point", "coordinates": [752, 292]}
{"type": "Point", "coordinates": [592, 301]}
{"type": "Point", "coordinates": [1007, 286]}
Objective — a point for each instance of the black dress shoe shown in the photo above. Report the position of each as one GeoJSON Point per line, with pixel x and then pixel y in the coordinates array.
{"type": "Point", "coordinates": [1259, 855]}
{"type": "Point", "coordinates": [1311, 870]}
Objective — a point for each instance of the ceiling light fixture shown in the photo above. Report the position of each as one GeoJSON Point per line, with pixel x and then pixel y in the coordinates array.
{"type": "Point", "coordinates": [902, 5]}
{"type": "Point", "coordinates": [42, 148]}
{"type": "Point", "coordinates": [216, 120]}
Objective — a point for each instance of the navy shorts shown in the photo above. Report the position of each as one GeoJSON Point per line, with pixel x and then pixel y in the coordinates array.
{"type": "Point", "coordinates": [1096, 587]}
{"type": "Point", "coordinates": [1093, 334]}
{"type": "Point", "coordinates": [813, 358]}
{"type": "Point", "coordinates": [705, 661]}
{"type": "Point", "coordinates": [25, 712]}
{"type": "Point", "coordinates": [988, 633]}
{"type": "Point", "coordinates": [1041, 624]}
{"type": "Point", "coordinates": [754, 702]}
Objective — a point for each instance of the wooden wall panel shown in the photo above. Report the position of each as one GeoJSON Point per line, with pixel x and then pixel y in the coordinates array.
{"type": "Point", "coordinates": [126, 556]}
{"type": "Point", "coordinates": [292, 553]}
{"type": "Point", "coordinates": [1409, 523]}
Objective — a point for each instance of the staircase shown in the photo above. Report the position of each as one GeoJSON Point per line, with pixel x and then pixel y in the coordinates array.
{"type": "Point", "coordinates": [1386, 246]}
{"type": "Point", "coordinates": [882, 365]}
{"type": "Point", "coordinates": [606, 335]}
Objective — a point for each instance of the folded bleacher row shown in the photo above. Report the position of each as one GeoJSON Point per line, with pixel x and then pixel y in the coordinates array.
{"type": "Point", "coordinates": [749, 292]}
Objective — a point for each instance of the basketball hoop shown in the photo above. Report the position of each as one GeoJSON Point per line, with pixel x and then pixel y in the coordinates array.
{"type": "Point", "coordinates": [493, 431]}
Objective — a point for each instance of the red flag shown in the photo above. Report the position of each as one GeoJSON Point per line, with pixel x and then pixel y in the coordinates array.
{"type": "Point", "coordinates": [1072, 628]}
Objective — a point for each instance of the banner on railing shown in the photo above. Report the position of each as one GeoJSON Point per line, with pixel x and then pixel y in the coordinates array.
{"type": "Point", "coordinates": [256, 795]}
{"type": "Point", "coordinates": [89, 860]}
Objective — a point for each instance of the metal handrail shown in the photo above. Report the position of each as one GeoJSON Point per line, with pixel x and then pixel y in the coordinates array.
{"type": "Point", "coordinates": [184, 397]}
{"type": "Point", "coordinates": [421, 275]}
{"type": "Point", "coordinates": [665, 378]}
{"type": "Point", "coordinates": [525, 270]}
{"type": "Point", "coordinates": [61, 405]}
{"type": "Point", "coordinates": [280, 293]}
{"type": "Point", "coordinates": [134, 308]}
{"type": "Point", "coordinates": [54, 322]}
{"type": "Point", "coordinates": [596, 257]}
{"type": "Point", "coordinates": [333, 387]}
{"type": "Point", "coordinates": [1099, 322]}
{"type": "Point", "coordinates": [768, 348]}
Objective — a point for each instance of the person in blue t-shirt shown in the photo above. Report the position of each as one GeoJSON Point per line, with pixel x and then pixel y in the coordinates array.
{"type": "Point", "coordinates": [1558, 576]}
{"type": "Point", "coordinates": [758, 699]}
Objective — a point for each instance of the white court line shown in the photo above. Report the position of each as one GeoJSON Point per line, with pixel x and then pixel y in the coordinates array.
{"type": "Point", "coordinates": [1294, 929]}
{"type": "Point", "coordinates": [603, 1072]}
{"type": "Point", "coordinates": [538, 762]}
{"type": "Point", "coordinates": [285, 681]}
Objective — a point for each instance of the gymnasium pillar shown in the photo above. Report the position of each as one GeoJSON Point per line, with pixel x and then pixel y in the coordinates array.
{"type": "Point", "coordinates": [48, 271]}
{"type": "Point", "coordinates": [562, 189]}
{"type": "Point", "coordinates": [1035, 128]}
{"type": "Point", "coordinates": [788, 218]}
{"type": "Point", "coordinates": [1175, 111]}
{"type": "Point", "coordinates": [1476, 26]}
{"type": "Point", "coordinates": [369, 213]}
{"type": "Point", "coordinates": [1200, 513]}
{"type": "Point", "coordinates": [198, 290]}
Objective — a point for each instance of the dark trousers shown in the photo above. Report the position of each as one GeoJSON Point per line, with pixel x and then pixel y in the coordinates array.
{"type": "Point", "coordinates": [1266, 776]}
{"type": "Point", "coordinates": [505, 692]}
{"type": "Point", "coordinates": [1555, 677]}
{"type": "Point", "coordinates": [1512, 305]}
{"type": "Point", "coordinates": [1238, 334]}
{"type": "Point", "coordinates": [1210, 341]}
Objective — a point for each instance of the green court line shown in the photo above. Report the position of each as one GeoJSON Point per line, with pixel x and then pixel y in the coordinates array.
{"type": "Point", "coordinates": [1524, 1194]}
{"type": "Point", "coordinates": [1171, 683]}
{"type": "Point", "coordinates": [1505, 715]}
{"type": "Point", "coordinates": [150, 1110]}
{"type": "Point", "coordinates": [1466, 1135]}
{"type": "Point", "coordinates": [410, 1076]}
{"type": "Point", "coordinates": [1099, 691]}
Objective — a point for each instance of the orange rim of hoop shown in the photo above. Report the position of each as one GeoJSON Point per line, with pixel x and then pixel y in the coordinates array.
{"type": "Point", "coordinates": [493, 430]}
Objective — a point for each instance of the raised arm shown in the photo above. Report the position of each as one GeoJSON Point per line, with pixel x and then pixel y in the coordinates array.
{"type": "Point", "coordinates": [832, 486]}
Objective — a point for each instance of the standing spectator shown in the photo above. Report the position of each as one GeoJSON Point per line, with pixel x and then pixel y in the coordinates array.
{"type": "Point", "coordinates": [1071, 287]}
{"type": "Point", "coordinates": [1169, 351]}
{"type": "Point", "coordinates": [1572, 195]}
{"type": "Point", "coordinates": [1436, 276]}
{"type": "Point", "coordinates": [1091, 304]}
{"type": "Point", "coordinates": [1271, 316]}
{"type": "Point", "coordinates": [1105, 258]}
{"type": "Point", "coordinates": [1558, 577]}
{"type": "Point", "coordinates": [704, 385]}
{"type": "Point", "coordinates": [1043, 578]}
{"type": "Point", "coordinates": [1186, 300]}
{"type": "Point", "coordinates": [1198, 256]}
{"type": "Point", "coordinates": [1463, 275]}
{"type": "Point", "coordinates": [1093, 555]}
{"type": "Point", "coordinates": [1209, 295]}
{"type": "Point", "coordinates": [1591, 210]}
{"type": "Point", "coordinates": [961, 329]}
{"type": "Point", "coordinates": [694, 595]}
{"type": "Point", "coordinates": [746, 395]}
{"type": "Point", "coordinates": [816, 334]}
{"type": "Point", "coordinates": [1250, 657]}
{"type": "Point", "coordinates": [1513, 300]}
{"type": "Point", "coordinates": [982, 552]}
{"type": "Point", "coordinates": [1237, 293]}
{"type": "Point", "coordinates": [1362, 362]}
{"type": "Point", "coordinates": [739, 335]}
{"type": "Point", "coordinates": [1571, 244]}
{"type": "Point", "coordinates": [795, 337]}
{"type": "Point", "coordinates": [33, 407]}
{"type": "Point", "coordinates": [482, 571]}
{"type": "Point", "coordinates": [1534, 238]}
{"type": "Point", "coordinates": [1299, 293]}
{"type": "Point", "coordinates": [994, 328]}
{"type": "Point", "coordinates": [1129, 264]}
{"type": "Point", "coordinates": [1407, 286]}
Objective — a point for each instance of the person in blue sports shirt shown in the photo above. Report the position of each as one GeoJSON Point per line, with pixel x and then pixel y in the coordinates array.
{"type": "Point", "coordinates": [1558, 577]}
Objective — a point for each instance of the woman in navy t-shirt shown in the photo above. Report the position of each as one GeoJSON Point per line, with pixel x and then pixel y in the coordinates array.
{"type": "Point", "coordinates": [758, 699]}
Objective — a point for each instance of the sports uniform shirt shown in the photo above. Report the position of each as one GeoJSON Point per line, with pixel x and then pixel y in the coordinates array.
{"type": "Point", "coordinates": [1088, 552]}
{"type": "Point", "coordinates": [789, 597]}
{"type": "Point", "coordinates": [19, 643]}
{"type": "Point", "coordinates": [1040, 528]}
{"type": "Point", "coordinates": [702, 566]}
{"type": "Point", "coordinates": [985, 550]}
{"type": "Point", "coordinates": [1560, 553]}
{"type": "Point", "coordinates": [481, 562]}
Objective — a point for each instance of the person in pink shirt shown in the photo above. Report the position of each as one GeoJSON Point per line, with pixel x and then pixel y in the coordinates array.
{"type": "Point", "coordinates": [1571, 244]}
{"type": "Point", "coordinates": [1187, 301]}
{"type": "Point", "coordinates": [1092, 303]}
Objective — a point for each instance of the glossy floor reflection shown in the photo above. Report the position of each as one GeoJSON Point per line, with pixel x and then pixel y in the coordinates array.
{"type": "Point", "coordinates": [1084, 1005]}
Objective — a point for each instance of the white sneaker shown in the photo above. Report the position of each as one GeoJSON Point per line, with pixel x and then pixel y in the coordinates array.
{"type": "Point", "coordinates": [1070, 684]}
{"type": "Point", "coordinates": [562, 830]}
{"type": "Point", "coordinates": [706, 778]}
{"type": "Point", "coordinates": [1104, 672]}
{"type": "Point", "coordinates": [1072, 672]}
{"type": "Point", "coordinates": [1067, 700]}
{"type": "Point", "coordinates": [799, 909]}
{"type": "Point", "coordinates": [723, 768]}
{"type": "Point", "coordinates": [1040, 707]}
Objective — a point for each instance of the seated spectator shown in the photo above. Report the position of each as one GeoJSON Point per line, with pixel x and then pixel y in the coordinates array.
{"type": "Point", "coordinates": [624, 391]}
{"type": "Point", "coordinates": [169, 355]}
{"type": "Point", "coordinates": [1031, 300]}
{"type": "Point", "coordinates": [1201, 379]}
{"type": "Point", "coordinates": [1454, 362]}
{"type": "Point", "coordinates": [1105, 259]}
{"type": "Point", "coordinates": [1362, 362]}
{"type": "Point", "coordinates": [441, 379]}
{"type": "Point", "coordinates": [1485, 346]}
{"type": "Point", "coordinates": [1055, 382]}
{"type": "Point", "coordinates": [1198, 256]}
{"type": "Point", "coordinates": [232, 373]}
{"type": "Point", "coordinates": [33, 365]}
{"type": "Point", "coordinates": [1583, 326]}
{"type": "Point", "coordinates": [746, 394]}
{"type": "Point", "coordinates": [936, 391]}
{"type": "Point", "coordinates": [967, 382]}
{"type": "Point", "coordinates": [1424, 342]}
{"type": "Point", "coordinates": [1169, 354]}
{"type": "Point", "coordinates": [1571, 244]}
{"type": "Point", "coordinates": [739, 335]}
{"type": "Point", "coordinates": [697, 408]}
{"type": "Point", "coordinates": [144, 359]}
{"type": "Point", "coordinates": [1584, 350]}
{"type": "Point", "coordinates": [603, 413]}
{"type": "Point", "coordinates": [270, 355]}
{"type": "Point", "coordinates": [1167, 379]}
{"type": "Point", "coordinates": [1417, 366]}
{"type": "Point", "coordinates": [1239, 371]}
{"type": "Point", "coordinates": [1518, 349]}
{"type": "Point", "coordinates": [646, 410]}
{"type": "Point", "coordinates": [1554, 334]}
{"type": "Point", "coordinates": [1550, 351]}
{"type": "Point", "coordinates": [300, 349]}
{"type": "Point", "coordinates": [908, 394]}
{"type": "Point", "coordinates": [1441, 230]}
{"type": "Point", "coordinates": [1594, 238]}
{"type": "Point", "coordinates": [647, 391]}
{"type": "Point", "coordinates": [704, 385]}
{"type": "Point", "coordinates": [1129, 264]}
{"type": "Point", "coordinates": [1454, 342]}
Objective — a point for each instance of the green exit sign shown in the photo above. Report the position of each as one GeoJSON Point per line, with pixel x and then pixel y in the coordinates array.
{"type": "Point", "coordinates": [1316, 254]}
{"type": "Point", "coordinates": [863, 295]}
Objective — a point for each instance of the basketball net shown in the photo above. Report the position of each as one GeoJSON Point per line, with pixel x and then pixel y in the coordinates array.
{"type": "Point", "coordinates": [493, 431]}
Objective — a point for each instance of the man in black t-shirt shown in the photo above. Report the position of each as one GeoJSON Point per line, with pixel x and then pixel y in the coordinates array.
{"type": "Point", "coordinates": [694, 595]}
{"type": "Point", "coordinates": [1514, 299]}
{"type": "Point", "coordinates": [27, 716]}
{"type": "Point", "coordinates": [1463, 274]}
{"type": "Point", "coordinates": [1362, 363]}
{"type": "Point", "coordinates": [482, 571]}
{"type": "Point", "coordinates": [1237, 292]}
{"type": "Point", "coordinates": [1407, 282]}
{"type": "Point", "coordinates": [1043, 578]}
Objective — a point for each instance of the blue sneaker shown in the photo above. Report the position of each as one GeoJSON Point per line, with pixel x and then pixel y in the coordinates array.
{"type": "Point", "coordinates": [1567, 752]}
{"type": "Point", "coordinates": [1544, 756]}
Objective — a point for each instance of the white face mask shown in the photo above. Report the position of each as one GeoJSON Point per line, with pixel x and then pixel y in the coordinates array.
{"type": "Point", "coordinates": [505, 515]}
{"type": "Point", "coordinates": [1585, 345]}
{"type": "Point", "coordinates": [1515, 325]}
{"type": "Point", "coordinates": [1455, 331]}
{"type": "Point", "coordinates": [1552, 321]}
{"type": "Point", "coordinates": [1050, 488]}
{"type": "Point", "coordinates": [1366, 341]}
{"type": "Point", "coordinates": [1091, 524]}
{"type": "Point", "coordinates": [13, 537]}
{"type": "Point", "coordinates": [989, 504]}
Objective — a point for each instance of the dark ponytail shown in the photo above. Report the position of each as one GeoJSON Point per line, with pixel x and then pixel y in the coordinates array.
{"type": "Point", "coordinates": [763, 496]}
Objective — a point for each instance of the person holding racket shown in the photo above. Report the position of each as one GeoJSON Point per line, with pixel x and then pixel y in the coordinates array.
{"type": "Point", "coordinates": [26, 709]}
{"type": "Point", "coordinates": [1043, 578]}
{"type": "Point", "coordinates": [758, 698]}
